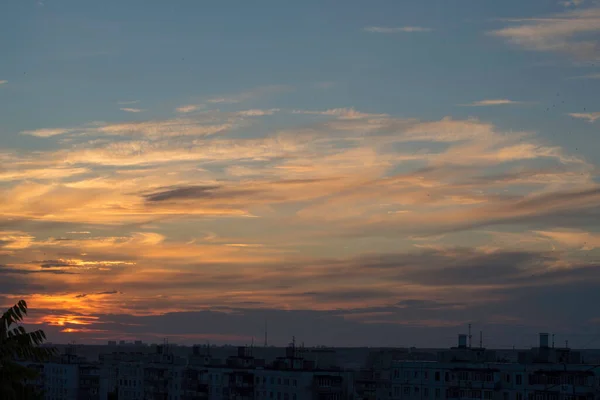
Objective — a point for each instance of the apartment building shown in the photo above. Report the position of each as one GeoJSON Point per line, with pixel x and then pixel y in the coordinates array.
{"type": "Point", "coordinates": [291, 377]}
{"type": "Point", "coordinates": [66, 377]}
{"type": "Point", "coordinates": [465, 373]}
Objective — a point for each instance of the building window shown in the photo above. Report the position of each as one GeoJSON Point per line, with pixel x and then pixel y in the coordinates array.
{"type": "Point", "coordinates": [437, 393]}
{"type": "Point", "coordinates": [425, 374]}
{"type": "Point", "coordinates": [406, 390]}
{"type": "Point", "coordinates": [519, 379]}
{"type": "Point", "coordinates": [505, 395]}
{"type": "Point", "coordinates": [425, 392]}
{"type": "Point", "coordinates": [437, 376]}
{"type": "Point", "coordinates": [507, 378]}
{"type": "Point", "coordinates": [487, 395]}
{"type": "Point", "coordinates": [446, 376]}
{"type": "Point", "coordinates": [416, 374]}
{"type": "Point", "coordinates": [518, 396]}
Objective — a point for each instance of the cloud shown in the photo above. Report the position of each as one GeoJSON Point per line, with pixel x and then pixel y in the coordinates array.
{"type": "Point", "coordinates": [80, 264]}
{"type": "Point", "coordinates": [256, 112]}
{"type": "Point", "coordinates": [207, 123]}
{"type": "Point", "coordinates": [572, 3]}
{"type": "Point", "coordinates": [189, 108]}
{"type": "Point", "coordinates": [335, 206]}
{"type": "Point", "coordinates": [2, 82]}
{"type": "Point", "coordinates": [248, 95]}
{"type": "Point", "coordinates": [492, 102]}
{"type": "Point", "coordinates": [82, 295]}
{"type": "Point", "coordinates": [342, 113]}
{"type": "Point", "coordinates": [45, 133]}
{"type": "Point", "coordinates": [4, 269]}
{"type": "Point", "coordinates": [383, 29]}
{"type": "Point", "coordinates": [164, 128]}
{"type": "Point", "coordinates": [194, 192]}
{"type": "Point", "coordinates": [573, 239]}
{"type": "Point", "coordinates": [568, 33]}
{"type": "Point", "coordinates": [40, 173]}
{"type": "Point", "coordinates": [589, 76]}
{"type": "Point", "coordinates": [15, 240]}
{"type": "Point", "coordinates": [591, 117]}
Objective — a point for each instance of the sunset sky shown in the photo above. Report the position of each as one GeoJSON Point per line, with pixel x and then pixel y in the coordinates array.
{"type": "Point", "coordinates": [350, 172]}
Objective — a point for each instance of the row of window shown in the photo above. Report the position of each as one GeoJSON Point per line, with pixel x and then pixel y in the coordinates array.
{"type": "Point", "coordinates": [482, 376]}
{"type": "Point", "coordinates": [276, 395]}
{"type": "Point", "coordinates": [478, 376]}
{"type": "Point", "coordinates": [284, 381]}
{"type": "Point", "coordinates": [455, 393]}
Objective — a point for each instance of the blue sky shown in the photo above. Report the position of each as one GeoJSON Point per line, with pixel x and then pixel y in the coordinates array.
{"type": "Point", "coordinates": [209, 156]}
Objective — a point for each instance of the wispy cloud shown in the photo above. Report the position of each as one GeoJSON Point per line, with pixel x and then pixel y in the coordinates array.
{"type": "Point", "coordinates": [2, 82]}
{"type": "Point", "coordinates": [257, 112]}
{"type": "Point", "coordinates": [164, 128]}
{"type": "Point", "coordinates": [245, 96]}
{"type": "Point", "coordinates": [568, 33]}
{"type": "Point", "coordinates": [189, 108]}
{"type": "Point", "coordinates": [591, 117]}
{"type": "Point", "coordinates": [131, 183]}
{"type": "Point", "coordinates": [131, 110]}
{"type": "Point", "coordinates": [151, 129]}
{"type": "Point", "coordinates": [46, 132]}
{"type": "Point", "coordinates": [571, 3]}
{"type": "Point", "coordinates": [384, 29]}
{"type": "Point", "coordinates": [492, 102]}
{"type": "Point", "coordinates": [341, 113]}
{"type": "Point", "coordinates": [589, 76]}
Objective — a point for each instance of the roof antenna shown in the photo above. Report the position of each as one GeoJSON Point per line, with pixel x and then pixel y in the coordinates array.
{"type": "Point", "coordinates": [266, 343]}
{"type": "Point", "coordinates": [481, 339]}
{"type": "Point", "coordinates": [470, 336]}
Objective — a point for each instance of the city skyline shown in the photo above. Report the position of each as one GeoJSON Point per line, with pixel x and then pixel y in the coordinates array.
{"type": "Point", "coordinates": [356, 174]}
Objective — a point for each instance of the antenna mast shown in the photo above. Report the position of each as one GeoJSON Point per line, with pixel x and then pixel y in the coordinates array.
{"type": "Point", "coordinates": [470, 336]}
{"type": "Point", "coordinates": [266, 343]}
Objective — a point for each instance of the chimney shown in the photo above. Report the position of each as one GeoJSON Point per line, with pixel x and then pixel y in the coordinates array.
{"type": "Point", "coordinates": [462, 341]}
{"type": "Point", "coordinates": [543, 340]}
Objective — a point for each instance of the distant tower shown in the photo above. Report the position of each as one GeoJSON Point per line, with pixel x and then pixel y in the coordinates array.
{"type": "Point", "coordinates": [266, 342]}
{"type": "Point", "coordinates": [470, 337]}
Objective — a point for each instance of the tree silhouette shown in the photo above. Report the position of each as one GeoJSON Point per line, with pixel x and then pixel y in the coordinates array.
{"type": "Point", "coordinates": [16, 344]}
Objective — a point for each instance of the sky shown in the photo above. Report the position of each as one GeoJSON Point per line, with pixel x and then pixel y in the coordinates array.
{"type": "Point", "coordinates": [351, 173]}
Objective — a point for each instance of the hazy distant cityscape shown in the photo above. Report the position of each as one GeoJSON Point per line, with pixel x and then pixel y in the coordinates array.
{"type": "Point", "coordinates": [126, 370]}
